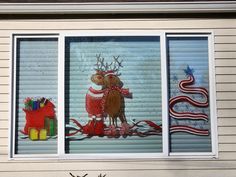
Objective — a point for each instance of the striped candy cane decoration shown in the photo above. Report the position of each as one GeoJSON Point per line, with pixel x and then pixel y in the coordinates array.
{"type": "Point", "coordinates": [184, 87]}
{"type": "Point", "coordinates": [187, 129]}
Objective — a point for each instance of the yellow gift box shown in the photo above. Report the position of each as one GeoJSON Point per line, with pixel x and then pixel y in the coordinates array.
{"type": "Point", "coordinates": [43, 134]}
{"type": "Point", "coordinates": [33, 134]}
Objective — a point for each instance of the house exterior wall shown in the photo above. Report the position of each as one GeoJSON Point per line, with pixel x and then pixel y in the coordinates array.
{"type": "Point", "coordinates": [224, 31]}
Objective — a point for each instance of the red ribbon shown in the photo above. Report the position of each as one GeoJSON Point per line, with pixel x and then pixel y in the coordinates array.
{"type": "Point", "coordinates": [184, 87]}
{"type": "Point", "coordinates": [155, 129]}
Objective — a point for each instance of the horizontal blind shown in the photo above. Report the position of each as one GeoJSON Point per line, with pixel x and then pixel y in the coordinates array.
{"type": "Point", "coordinates": [36, 77]}
{"type": "Point", "coordinates": [188, 55]}
{"type": "Point", "coordinates": [140, 73]}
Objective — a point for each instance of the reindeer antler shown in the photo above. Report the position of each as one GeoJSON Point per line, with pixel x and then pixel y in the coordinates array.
{"type": "Point", "coordinates": [100, 65]}
{"type": "Point", "coordinates": [116, 65]}
{"type": "Point", "coordinates": [113, 66]}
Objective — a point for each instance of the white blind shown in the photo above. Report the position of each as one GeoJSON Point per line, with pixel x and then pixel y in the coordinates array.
{"type": "Point", "coordinates": [36, 77]}
{"type": "Point", "coordinates": [189, 55]}
{"type": "Point", "coordinates": [140, 73]}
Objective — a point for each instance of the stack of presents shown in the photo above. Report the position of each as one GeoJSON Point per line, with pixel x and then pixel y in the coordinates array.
{"type": "Point", "coordinates": [41, 122]}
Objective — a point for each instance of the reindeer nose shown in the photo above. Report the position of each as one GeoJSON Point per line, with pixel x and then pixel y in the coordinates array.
{"type": "Point", "coordinates": [99, 77]}
{"type": "Point", "coordinates": [110, 77]}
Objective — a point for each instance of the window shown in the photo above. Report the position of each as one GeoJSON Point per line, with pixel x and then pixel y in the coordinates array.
{"type": "Point", "coordinates": [36, 79]}
{"type": "Point", "coordinates": [113, 95]}
{"type": "Point", "coordinates": [189, 94]}
{"type": "Point", "coordinates": [139, 71]}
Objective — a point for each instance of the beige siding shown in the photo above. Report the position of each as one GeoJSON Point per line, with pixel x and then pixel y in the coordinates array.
{"type": "Point", "coordinates": [225, 60]}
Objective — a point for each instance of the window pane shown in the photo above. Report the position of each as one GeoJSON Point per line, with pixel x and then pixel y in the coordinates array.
{"type": "Point", "coordinates": [36, 96]}
{"type": "Point", "coordinates": [189, 90]}
{"type": "Point", "coordinates": [88, 127]}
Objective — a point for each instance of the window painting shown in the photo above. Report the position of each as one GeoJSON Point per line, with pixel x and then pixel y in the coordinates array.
{"type": "Point", "coordinates": [113, 95]}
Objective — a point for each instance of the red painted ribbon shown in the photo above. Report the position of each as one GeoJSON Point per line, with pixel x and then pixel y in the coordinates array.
{"type": "Point", "coordinates": [184, 87]}
{"type": "Point", "coordinates": [187, 129]}
{"type": "Point", "coordinates": [150, 123]}
{"type": "Point", "coordinates": [133, 130]}
{"type": "Point", "coordinates": [76, 131]}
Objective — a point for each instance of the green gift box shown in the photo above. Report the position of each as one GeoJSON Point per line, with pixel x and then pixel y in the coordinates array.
{"type": "Point", "coordinates": [50, 126]}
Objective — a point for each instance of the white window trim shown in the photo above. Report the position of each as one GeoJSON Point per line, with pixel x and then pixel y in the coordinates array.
{"type": "Point", "coordinates": [12, 102]}
{"type": "Point", "coordinates": [119, 7]}
{"type": "Point", "coordinates": [61, 97]}
{"type": "Point", "coordinates": [212, 95]}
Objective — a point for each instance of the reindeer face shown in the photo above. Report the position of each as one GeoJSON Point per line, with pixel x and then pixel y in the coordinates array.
{"type": "Point", "coordinates": [98, 78]}
{"type": "Point", "coordinates": [107, 74]}
{"type": "Point", "coordinates": [112, 80]}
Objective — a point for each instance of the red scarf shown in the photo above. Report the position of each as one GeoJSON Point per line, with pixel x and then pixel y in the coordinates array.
{"type": "Point", "coordinates": [123, 91]}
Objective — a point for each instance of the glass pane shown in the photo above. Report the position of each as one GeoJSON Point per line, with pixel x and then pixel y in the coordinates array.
{"type": "Point", "coordinates": [36, 96]}
{"type": "Point", "coordinates": [189, 94]}
{"type": "Point", "coordinates": [99, 70]}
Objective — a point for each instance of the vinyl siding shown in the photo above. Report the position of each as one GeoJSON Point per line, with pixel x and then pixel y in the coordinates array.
{"type": "Point", "coordinates": [225, 65]}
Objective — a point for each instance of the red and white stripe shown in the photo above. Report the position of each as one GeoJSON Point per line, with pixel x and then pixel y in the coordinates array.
{"type": "Point", "coordinates": [187, 129]}
{"type": "Point", "coordinates": [184, 87]}
{"type": "Point", "coordinates": [95, 93]}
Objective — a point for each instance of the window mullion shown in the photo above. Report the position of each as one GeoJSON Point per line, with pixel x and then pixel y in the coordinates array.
{"type": "Point", "coordinates": [212, 81]}
{"type": "Point", "coordinates": [165, 118]}
{"type": "Point", "coordinates": [61, 95]}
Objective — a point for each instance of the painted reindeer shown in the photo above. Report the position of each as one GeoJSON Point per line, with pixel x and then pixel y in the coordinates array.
{"type": "Point", "coordinates": [110, 101]}
{"type": "Point", "coordinates": [94, 99]}
{"type": "Point", "coordinates": [114, 95]}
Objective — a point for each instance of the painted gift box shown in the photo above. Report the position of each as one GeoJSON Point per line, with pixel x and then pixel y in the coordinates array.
{"type": "Point", "coordinates": [35, 134]}
{"type": "Point", "coordinates": [50, 126]}
{"type": "Point", "coordinates": [40, 122]}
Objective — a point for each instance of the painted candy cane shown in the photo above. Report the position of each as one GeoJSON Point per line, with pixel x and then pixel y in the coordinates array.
{"type": "Point", "coordinates": [187, 129]}
{"type": "Point", "coordinates": [184, 87]}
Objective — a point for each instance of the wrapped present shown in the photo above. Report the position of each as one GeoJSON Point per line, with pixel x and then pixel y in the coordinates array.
{"type": "Point", "coordinates": [41, 105]}
{"type": "Point", "coordinates": [33, 134]}
{"type": "Point", "coordinates": [50, 126]}
{"type": "Point", "coordinates": [40, 118]}
{"type": "Point", "coordinates": [36, 118]}
{"type": "Point", "coordinates": [43, 134]}
{"type": "Point", "coordinates": [42, 102]}
{"type": "Point", "coordinates": [35, 105]}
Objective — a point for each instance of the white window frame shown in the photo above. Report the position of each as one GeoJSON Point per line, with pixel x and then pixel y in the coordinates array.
{"type": "Point", "coordinates": [12, 105]}
{"type": "Point", "coordinates": [212, 96]}
{"type": "Point", "coordinates": [165, 154]}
